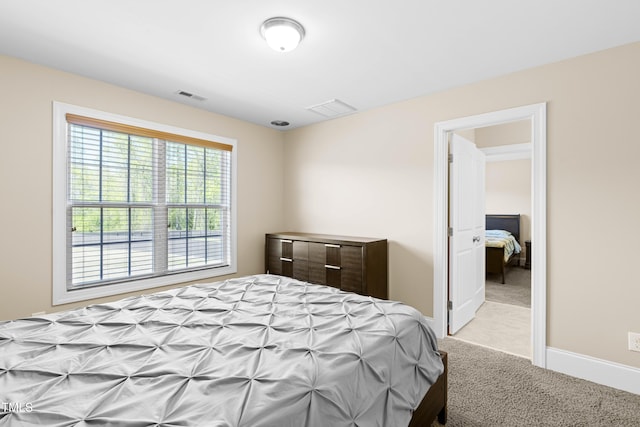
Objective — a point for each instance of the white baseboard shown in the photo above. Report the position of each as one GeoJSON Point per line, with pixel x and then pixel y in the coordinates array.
{"type": "Point", "coordinates": [432, 324]}
{"type": "Point", "coordinates": [599, 371]}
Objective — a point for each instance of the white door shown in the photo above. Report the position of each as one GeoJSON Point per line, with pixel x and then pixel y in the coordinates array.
{"type": "Point", "coordinates": [466, 231]}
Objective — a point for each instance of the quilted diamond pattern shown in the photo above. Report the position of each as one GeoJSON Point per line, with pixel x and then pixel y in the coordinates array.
{"type": "Point", "coordinates": [255, 351]}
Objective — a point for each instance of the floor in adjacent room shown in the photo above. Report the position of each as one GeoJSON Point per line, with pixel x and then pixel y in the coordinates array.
{"type": "Point", "coordinates": [503, 322]}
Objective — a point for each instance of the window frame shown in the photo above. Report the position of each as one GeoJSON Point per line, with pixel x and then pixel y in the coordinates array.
{"type": "Point", "coordinates": [60, 293]}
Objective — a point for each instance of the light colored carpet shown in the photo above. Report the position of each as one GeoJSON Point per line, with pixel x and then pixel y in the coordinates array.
{"type": "Point", "coordinates": [503, 322]}
{"type": "Point", "coordinates": [517, 290]}
{"type": "Point", "coordinates": [491, 388]}
{"type": "Point", "coordinates": [500, 326]}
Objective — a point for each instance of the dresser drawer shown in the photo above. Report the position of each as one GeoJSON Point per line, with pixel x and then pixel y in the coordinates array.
{"type": "Point", "coordinates": [353, 264]}
{"type": "Point", "coordinates": [351, 269]}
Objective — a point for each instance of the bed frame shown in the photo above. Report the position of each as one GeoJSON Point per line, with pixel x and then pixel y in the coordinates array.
{"type": "Point", "coordinates": [434, 403]}
{"type": "Point", "coordinates": [495, 262]}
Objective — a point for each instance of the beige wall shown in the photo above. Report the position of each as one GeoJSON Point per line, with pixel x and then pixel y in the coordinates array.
{"type": "Point", "coordinates": [25, 174]}
{"type": "Point", "coordinates": [371, 174]}
{"type": "Point", "coordinates": [505, 134]}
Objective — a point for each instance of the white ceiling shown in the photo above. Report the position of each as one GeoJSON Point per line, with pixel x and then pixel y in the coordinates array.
{"type": "Point", "coordinates": [366, 53]}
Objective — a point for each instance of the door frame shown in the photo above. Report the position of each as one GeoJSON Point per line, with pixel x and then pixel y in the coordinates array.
{"type": "Point", "coordinates": [537, 114]}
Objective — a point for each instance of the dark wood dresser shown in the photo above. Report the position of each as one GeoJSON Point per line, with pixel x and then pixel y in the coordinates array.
{"type": "Point", "coordinates": [354, 264]}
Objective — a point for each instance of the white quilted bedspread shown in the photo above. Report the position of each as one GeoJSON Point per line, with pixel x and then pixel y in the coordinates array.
{"type": "Point", "coordinates": [255, 351]}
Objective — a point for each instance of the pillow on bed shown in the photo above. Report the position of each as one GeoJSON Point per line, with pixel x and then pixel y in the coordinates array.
{"type": "Point", "coordinates": [497, 233]}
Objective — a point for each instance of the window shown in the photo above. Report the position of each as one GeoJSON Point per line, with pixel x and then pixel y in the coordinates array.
{"type": "Point", "coordinates": [138, 204]}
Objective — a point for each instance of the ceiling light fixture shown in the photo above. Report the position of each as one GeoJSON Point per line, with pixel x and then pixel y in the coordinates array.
{"type": "Point", "coordinates": [282, 34]}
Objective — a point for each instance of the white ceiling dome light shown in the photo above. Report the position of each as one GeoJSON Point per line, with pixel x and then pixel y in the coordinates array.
{"type": "Point", "coordinates": [282, 34]}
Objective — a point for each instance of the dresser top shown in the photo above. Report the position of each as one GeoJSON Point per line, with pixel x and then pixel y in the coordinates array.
{"type": "Point", "coordinates": [311, 237]}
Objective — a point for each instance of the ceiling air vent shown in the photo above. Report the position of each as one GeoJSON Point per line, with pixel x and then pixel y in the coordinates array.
{"type": "Point", "coordinates": [190, 95]}
{"type": "Point", "coordinates": [332, 108]}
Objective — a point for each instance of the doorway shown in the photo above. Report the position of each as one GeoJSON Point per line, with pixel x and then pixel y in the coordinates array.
{"type": "Point", "coordinates": [503, 320]}
{"type": "Point", "coordinates": [537, 115]}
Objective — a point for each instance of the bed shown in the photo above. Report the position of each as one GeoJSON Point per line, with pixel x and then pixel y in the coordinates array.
{"type": "Point", "coordinates": [260, 350]}
{"type": "Point", "coordinates": [501, 251]}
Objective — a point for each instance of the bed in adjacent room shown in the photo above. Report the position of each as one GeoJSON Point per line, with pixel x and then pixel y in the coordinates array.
{"type": "Point", "coordinates": [502, 243]}
{"type": "Point", "coordinates": [255, 351]}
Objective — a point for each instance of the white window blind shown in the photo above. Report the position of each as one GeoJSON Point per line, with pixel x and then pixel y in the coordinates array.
{"type": "Point", "coordinates": [143, 203]}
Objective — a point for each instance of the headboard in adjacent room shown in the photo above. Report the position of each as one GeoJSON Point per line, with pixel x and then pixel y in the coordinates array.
{"type": "Point", "coordinates": [510, 223]}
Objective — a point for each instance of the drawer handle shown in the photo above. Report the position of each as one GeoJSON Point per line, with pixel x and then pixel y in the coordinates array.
{"type": "Point", "coordinates": [329, 245]}
{"type": "Point", "coordinates": [286, 259]}
{"type": "Point", "coordinates": [286, 241]}
{"type": "Point", "coordinates": [332, 267]}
